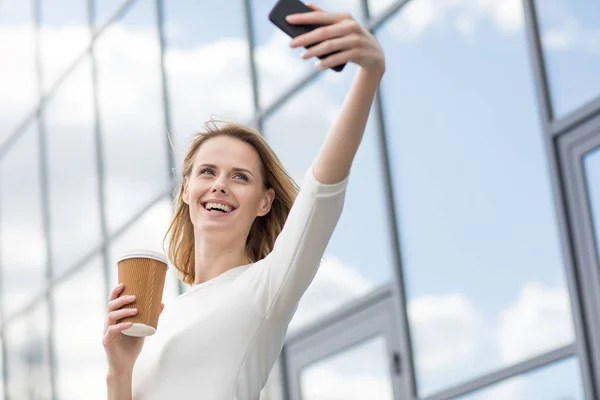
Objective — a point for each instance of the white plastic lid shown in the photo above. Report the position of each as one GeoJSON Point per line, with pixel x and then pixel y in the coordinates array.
{"type": "Point", "coordinates": [144, 254]}
{"type": "Point", "coordinates": [139, 330]}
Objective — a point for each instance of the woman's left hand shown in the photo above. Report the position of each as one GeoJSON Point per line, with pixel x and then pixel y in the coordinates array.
{"type": "Point", "coordinates": [341, 34]}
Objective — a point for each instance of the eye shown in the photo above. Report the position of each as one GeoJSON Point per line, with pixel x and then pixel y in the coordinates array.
{"type": "Point", "coordinates": [241, 176]}
{"type": "Point", "coordinates": [204, 170]}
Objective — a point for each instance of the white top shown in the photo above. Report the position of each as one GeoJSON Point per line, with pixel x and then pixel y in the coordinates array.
{"type": "Point", "coordinates": [220, 340]}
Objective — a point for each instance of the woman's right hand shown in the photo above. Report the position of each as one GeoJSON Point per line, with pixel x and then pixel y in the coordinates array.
{"type": "Point", "coordinates": [122, 350]}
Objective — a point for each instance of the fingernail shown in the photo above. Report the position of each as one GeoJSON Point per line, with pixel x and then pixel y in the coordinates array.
{"type": "Point", "coordinates": [132, 297]}
{"type": "Point", "coordinates": [319, 64]}
{"type": "Point", "coordinates": [289, 17]}
{"type": "Point", "coordinates": [303, 54]}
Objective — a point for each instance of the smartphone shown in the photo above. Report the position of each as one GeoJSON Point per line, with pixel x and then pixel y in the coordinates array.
{"type": "Point", "coordinates": [282, 9]}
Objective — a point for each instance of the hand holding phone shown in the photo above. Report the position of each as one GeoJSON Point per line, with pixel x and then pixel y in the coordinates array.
{"type": "Point", "coordinates": [282, 9]}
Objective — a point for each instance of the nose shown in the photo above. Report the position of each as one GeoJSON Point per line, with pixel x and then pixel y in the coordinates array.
{"type": "Point", "coordinates": [219, 186]}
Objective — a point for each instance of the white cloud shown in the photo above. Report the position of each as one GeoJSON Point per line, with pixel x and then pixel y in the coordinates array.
{"type": "Point", "coordinates": [325, 382]}
{"type": "Point", "coordinates": [465, 15]}
{"type": "Point", "coordinates": [446, 331]}
{"type": "Point", "coordinates": [335, 284]}
{"type": "Point", "coordinates": [359, 372]}
{"type": "Point", "coordinates": [539, 321]}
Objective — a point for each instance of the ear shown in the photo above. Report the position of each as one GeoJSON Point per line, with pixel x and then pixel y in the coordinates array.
{"type": "Point", "coordinates": [266, 202]}
{"type": "Point", "coordinates": [185, 196]}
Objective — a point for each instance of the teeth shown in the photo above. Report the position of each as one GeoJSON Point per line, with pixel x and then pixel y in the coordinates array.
{"type": "Point", "coordinates": [223, 207]}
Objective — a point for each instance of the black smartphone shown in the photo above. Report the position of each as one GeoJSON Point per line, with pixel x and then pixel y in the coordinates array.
{"type": "Point", "coordinates": [282, 9]}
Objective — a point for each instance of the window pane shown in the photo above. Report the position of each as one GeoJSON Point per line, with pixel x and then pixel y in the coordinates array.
{"type": "Point", "coordinates": [22, 238]}
{"type": "Point", "coordinates": [376, 7]}
{"type": "Point", "coordinates": [17, 80]}
{"type": "Point", "coordinates": [479, 240]}
{"type": "Point", "coordinates": [362, 372]}
{"type": "Point", "coordinates": [105, 10]}
{"type": "Point", "coordinates": [64, 34]}
{"type": "Point", "coordinates": [146, 234]}
{"type": "Point", "coordinates": [74, 213]}
{"type": "Point", "coordinates": [208, 68]}
{"type": "Point", "coordinates": [79, 309]}
{"type": "Point", "coordinates": [28, 366]}
{"type": "Point", "coordinates": [561, 380]}
{"type": "Point", "coordinates": [570, 33]}
{"type": "Point", "coordinates": [130, 95]}
{"type": "Point", "coordinates": [354, 263]}
{"type": "Point", "coordinates": [279, 66]}
{"type": "Point", "coordinates": [591, 163]}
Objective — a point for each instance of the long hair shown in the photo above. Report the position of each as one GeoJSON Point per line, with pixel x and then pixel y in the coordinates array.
{"type": "Point", "coordinates": [264, 230]}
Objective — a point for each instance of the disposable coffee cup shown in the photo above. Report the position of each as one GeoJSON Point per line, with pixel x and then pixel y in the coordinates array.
{"type": "Point", "coordinates": [143, 272]}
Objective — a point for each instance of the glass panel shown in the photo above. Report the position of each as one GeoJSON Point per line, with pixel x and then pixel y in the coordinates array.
{"type": "Point", "coordinates": [64, 35]}
{"type": "Point", "coordinates": [570, 33]}
{"type": "Point", "coordinates": [147, 234]}
{"type": "Point", "coordinates": [105, 10]}
{"type": "Point", "coordinates": [74, 212]}
{"type": "Point", "coordinates": [79, 307]}
{"type": "Point", "coordinates": [354, 264]}
{"type": "Point", "coordinates": [480, 243]}
{"type": "Point", "coordinates": [279, 66]}
{"type": "Point", "coordinates": [561, 380]}
{"type": "Point", "coordinates": [591, 164]}
{"type": "Point", "coordinates": [28, 366]}
{"type": "Point", "coordinates": [376, 7]}
{"type": "Point", "coordinates": [130, 95]}
{"type": "Point", "coordinates": [208, 67]}
{"type": "Point", "coordinates": [23, 255]}
{"type": "Point", "coordinates": [18, 79]}
{"type": "Point", "coordinates": [361, 372]}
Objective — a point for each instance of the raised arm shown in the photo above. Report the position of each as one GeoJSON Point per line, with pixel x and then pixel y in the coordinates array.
{"type": "Point", "coordinates": [293, 263]}
{"type": "Point", "coordinates": [354, 44]}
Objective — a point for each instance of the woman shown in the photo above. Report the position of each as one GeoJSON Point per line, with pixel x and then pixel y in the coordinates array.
{"type": "Point", "coordinates": [220, 340]}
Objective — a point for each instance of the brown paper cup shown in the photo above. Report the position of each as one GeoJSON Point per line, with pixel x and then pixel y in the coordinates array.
{"type": "Point", "coordinates": [143, 273]}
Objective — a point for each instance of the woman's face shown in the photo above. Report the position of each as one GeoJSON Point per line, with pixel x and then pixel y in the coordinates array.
{"type": "Point", "coordinates": [225, 189]}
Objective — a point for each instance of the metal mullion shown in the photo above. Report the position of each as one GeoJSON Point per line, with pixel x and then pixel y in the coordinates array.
{"type": "Point", "coordinates": [572, 149]}
{"type": "Point", "coordinates": [4, 376]}
{"type": "Point", "coordinates": [536, 55]}
{"type": "Point", "coordinates": [45, 195]}
{"type": "Point", "coordinates": [399, 287]}
{"type": "Point", "coordinates": [576, 117]}
{"type": "Point", "coordinates": [98, 146]}
{"type": "Point", "coordinates": [253, 67]}
{"type": "Point", "coordinates": [504, 374]}
{"type": "Point", "coordinates": [560, 182]}
{"type": "Point", "coordinates": [173, 177]}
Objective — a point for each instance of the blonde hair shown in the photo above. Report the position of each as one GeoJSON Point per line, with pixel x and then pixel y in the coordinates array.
{"type": "Point", "coordinates": [264, 230]}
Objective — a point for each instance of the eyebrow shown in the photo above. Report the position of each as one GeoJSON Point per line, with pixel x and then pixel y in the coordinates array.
{"type": "Point", "coordinates": [235, 169]}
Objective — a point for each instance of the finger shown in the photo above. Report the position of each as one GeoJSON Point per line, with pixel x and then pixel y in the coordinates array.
{"type": "Point", "coordinates": [162, 307]}
{"type": "Point", "coordinates": [316, 17]}
{"type": "Point", "coordinates": [325, 32]}
{"type": "Point", "coordinates": [333, 45]}
{"type": "Point", "coordinates": [116, 291]}
{"type": "Point", "coordinates": [314, 7]}
{"type": "Point", "coordinates": [118, 315]}
{"type": "Point", "coordinates": [337, 59]}
{"type": "Point", "coordinates": [113, 330]}
{"type": "Point", "coordinates": [120, 302]}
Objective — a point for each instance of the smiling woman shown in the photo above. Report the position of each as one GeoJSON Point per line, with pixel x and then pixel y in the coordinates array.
{"type": "Point", "coordinates": [248, 241]}
{"type": "Point", "coordinates": [231, 165]}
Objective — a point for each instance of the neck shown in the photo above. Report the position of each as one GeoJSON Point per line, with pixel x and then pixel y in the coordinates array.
{"type": "Point", "coordinates": [216, 255]}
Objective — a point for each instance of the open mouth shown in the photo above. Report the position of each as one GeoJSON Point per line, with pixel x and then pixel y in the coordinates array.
{"type": "Point", "coordinates": [218, 207]}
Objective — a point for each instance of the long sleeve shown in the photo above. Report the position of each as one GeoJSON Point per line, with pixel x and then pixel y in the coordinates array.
{"type": "Point", "coordinates": [296, 256]}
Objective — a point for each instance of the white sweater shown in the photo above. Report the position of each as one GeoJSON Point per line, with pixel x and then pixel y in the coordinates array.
{"type": "Point", "coordinates": [220, 340]}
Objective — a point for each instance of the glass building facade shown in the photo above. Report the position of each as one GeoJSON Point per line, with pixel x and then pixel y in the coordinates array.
{"type": "Point", "coordinates": [466, 264]}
